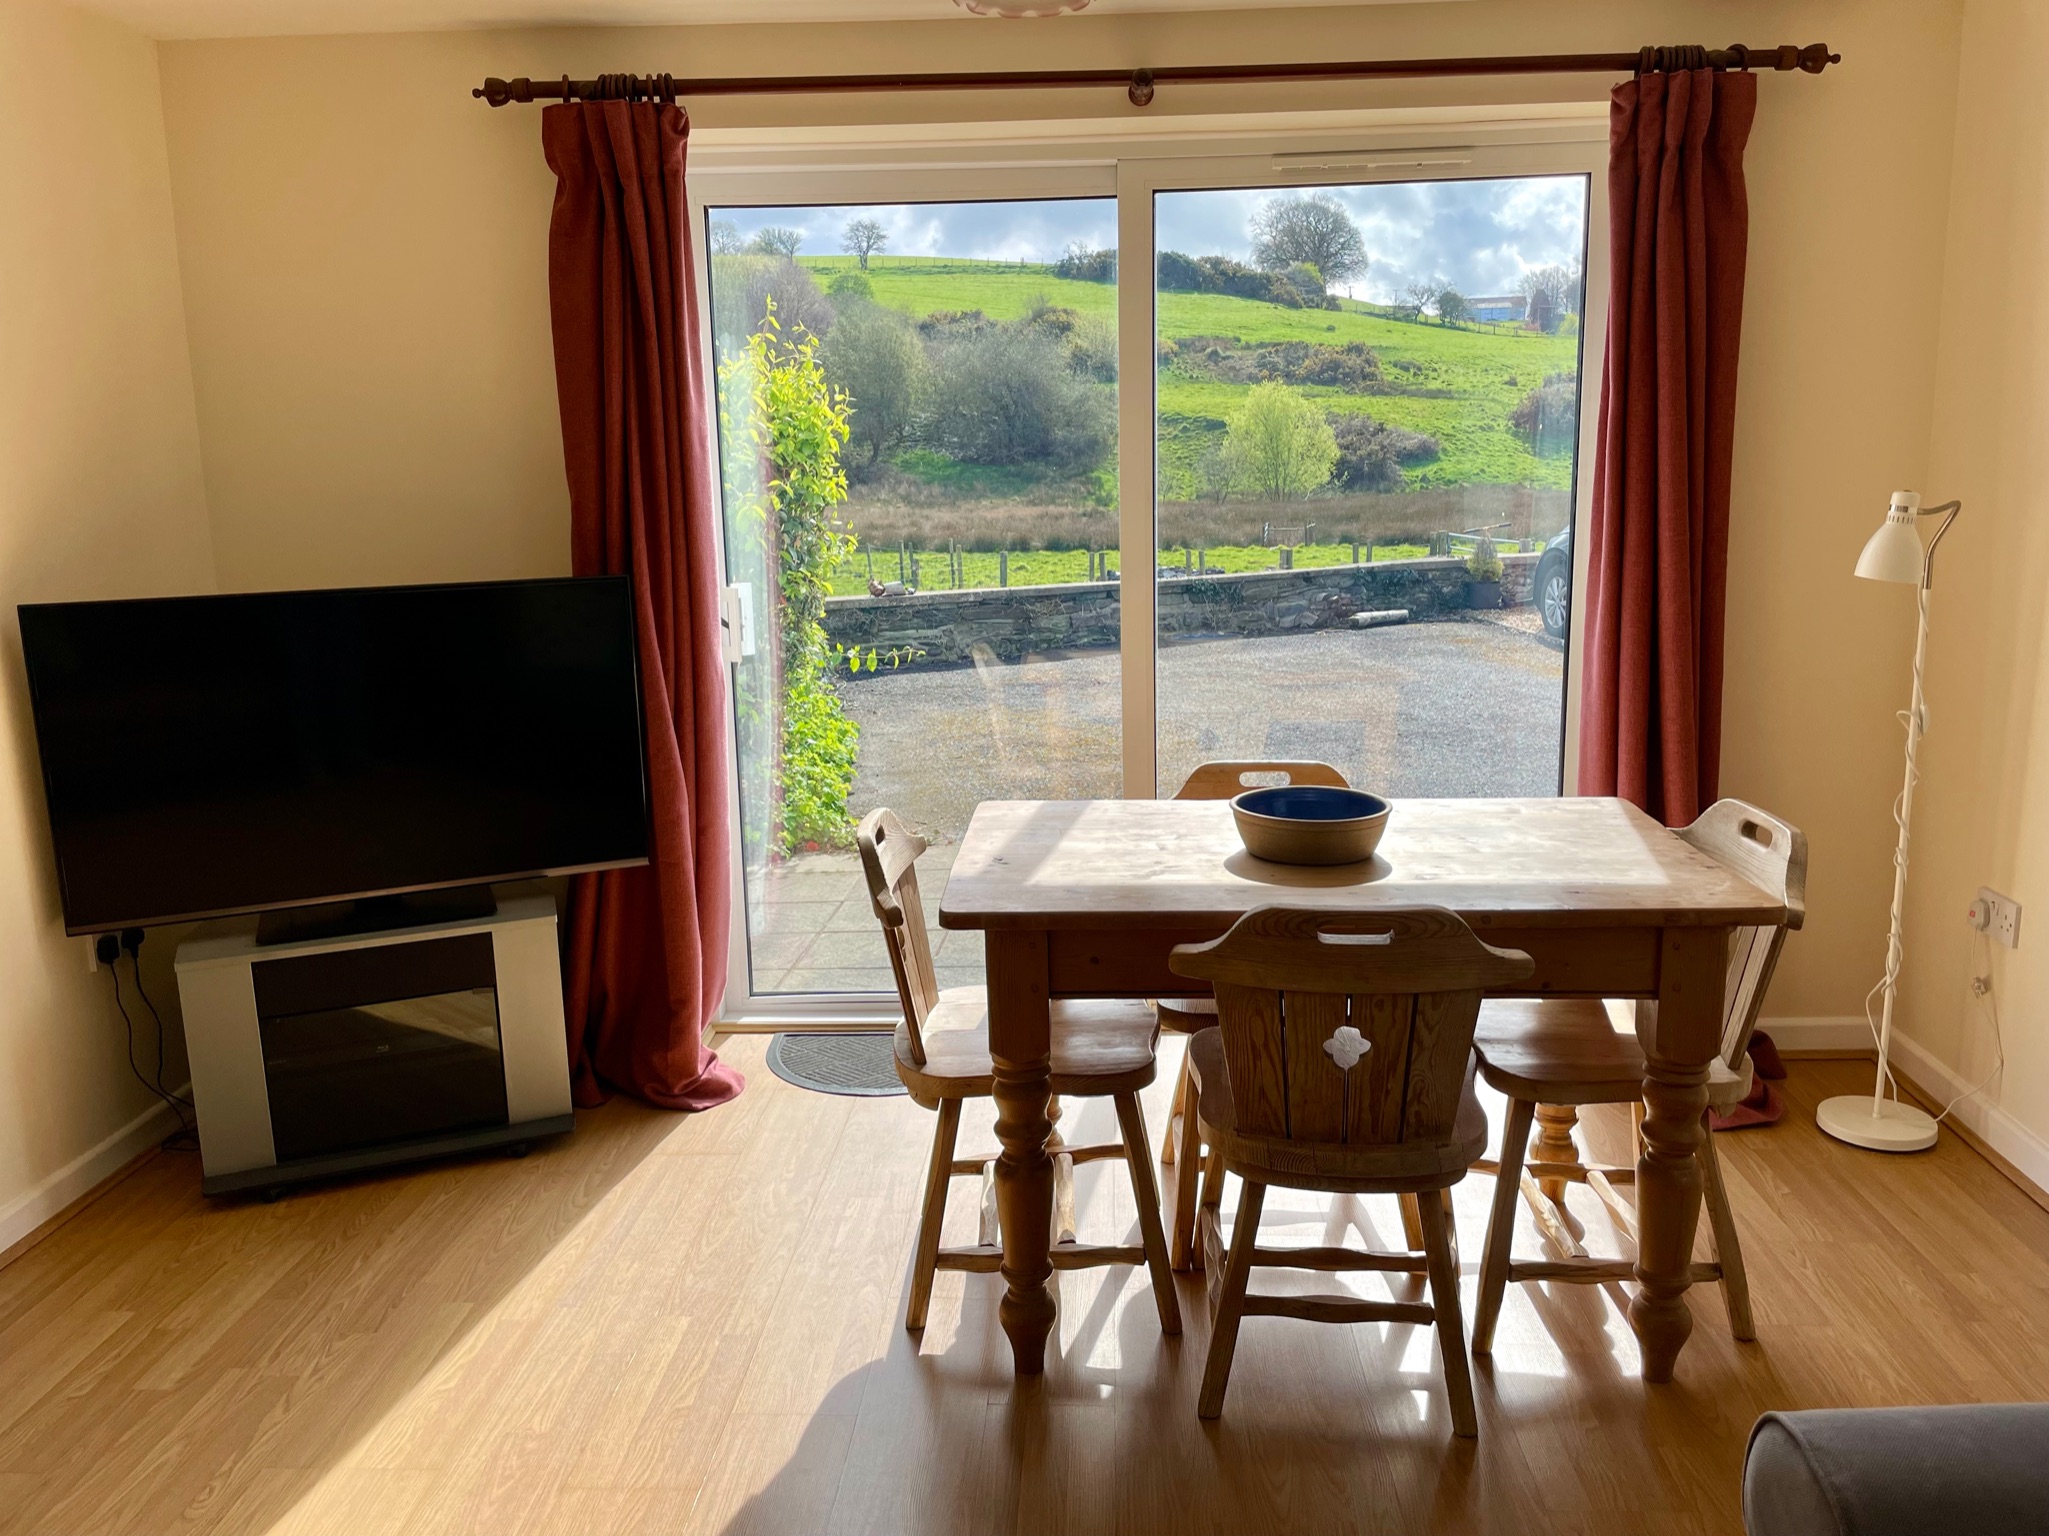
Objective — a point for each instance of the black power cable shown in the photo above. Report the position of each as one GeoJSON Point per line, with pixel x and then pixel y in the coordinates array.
{"type": "Point", "coordinates": [187, 1134]}
{"type": "Point", "coordinates": [131, 940]}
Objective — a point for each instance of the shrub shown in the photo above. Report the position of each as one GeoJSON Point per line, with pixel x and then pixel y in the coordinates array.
{"type": "Point", "coordinates": [796, 423]}
{"type": "Point", "coordinates": [873, 357]}
{"type": "Point", "coordinates": [1298, 287]}
{"type": "Point", "coordinates": [1484, 563]}
{"type": "Point", "coordinates": [1372, 454]}
{"type": "Point", "coordinates": [845, 288]}
{"type": "Point", "coordinates": [1277, 445]}
{"type": "Point", "coordinates": [1082, 263]}
{"type": "Point", "coordinates": [1006, 395]}
{"type": "Point", "coordinates": [1547, 418]}
{"type": "Point", "coordinates": [1092, 349]}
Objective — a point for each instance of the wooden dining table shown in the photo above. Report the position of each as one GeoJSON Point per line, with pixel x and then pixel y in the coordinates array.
{"type": "Point", "coordinates": [1087, 898]}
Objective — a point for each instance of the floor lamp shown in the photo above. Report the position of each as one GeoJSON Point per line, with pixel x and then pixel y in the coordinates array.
{"type": "Point", "coordinates": [1895, 553]}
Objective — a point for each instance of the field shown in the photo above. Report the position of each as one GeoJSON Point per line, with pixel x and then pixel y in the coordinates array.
{"type": "Point", "coordinates": [935, 570]}
{"type": "Point", "coordinates": [1456, 383]}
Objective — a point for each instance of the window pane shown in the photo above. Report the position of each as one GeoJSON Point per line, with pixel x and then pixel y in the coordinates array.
{"type": "Point", "coordinates": [918, 441]}
{"type": "Point", "coordinates": [1368, 421]}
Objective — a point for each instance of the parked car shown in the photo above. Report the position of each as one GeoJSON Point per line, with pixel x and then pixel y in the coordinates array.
{"type": "Point", "coordinates": [1552, 590]}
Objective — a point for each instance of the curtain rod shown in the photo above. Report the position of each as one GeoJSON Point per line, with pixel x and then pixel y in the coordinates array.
{"type": "Point", "coordinates": [1139, 84]}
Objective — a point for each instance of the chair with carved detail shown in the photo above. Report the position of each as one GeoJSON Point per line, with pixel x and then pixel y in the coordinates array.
{"type": "Point", "coordinates": [1220, 780]}
{"type": "Point", "coordinates": [1551, 1056]}
{"type": "Point", "coordinates": [1342, 1061]}
{"type": "Point", "coordinates": [1099, 1049]}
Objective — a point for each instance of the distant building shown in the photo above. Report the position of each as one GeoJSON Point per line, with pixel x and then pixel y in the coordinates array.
{"type": "Point", "coordinates": [1509, 307]}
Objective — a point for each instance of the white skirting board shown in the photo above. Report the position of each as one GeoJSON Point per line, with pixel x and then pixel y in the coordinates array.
{"type": "Point", "coordinates": [2027, 1151]}
{"type": "Point", "coordinates": [85, 1173]}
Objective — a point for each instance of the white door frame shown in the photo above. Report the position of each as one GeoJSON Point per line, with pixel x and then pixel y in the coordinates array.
{"type": "Point", "coordinates": [914, 165]}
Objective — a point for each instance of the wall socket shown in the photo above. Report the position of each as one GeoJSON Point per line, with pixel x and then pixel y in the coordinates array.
{"type": "Point", "coordinates": [1997, 915]}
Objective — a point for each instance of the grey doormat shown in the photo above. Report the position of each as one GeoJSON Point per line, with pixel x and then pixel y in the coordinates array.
{"type": "Point", "coordinates": [863, 1065]}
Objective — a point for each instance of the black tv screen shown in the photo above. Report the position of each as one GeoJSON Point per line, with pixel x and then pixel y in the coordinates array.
{"type": "Point", "coordinates": [212, 755]}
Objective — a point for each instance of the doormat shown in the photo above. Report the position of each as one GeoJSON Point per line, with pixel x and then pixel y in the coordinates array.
{"type": "Point", "coordinates": [862, 1066]}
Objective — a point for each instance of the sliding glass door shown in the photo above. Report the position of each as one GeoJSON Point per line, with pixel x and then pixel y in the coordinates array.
{"type": "Point", "coordinates": [918, 430]}
{"type": "Point", "coordinates": [1367, 433]}
{"type": "Point", "coordinates": [1051, 482]}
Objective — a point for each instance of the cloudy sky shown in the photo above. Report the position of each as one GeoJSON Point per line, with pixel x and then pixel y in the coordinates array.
{"type": "Point", "coordinates": [1479, 236]}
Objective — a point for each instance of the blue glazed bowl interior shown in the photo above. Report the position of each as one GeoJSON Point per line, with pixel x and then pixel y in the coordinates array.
{"type": "Point", "coordinates": [1311, 802]}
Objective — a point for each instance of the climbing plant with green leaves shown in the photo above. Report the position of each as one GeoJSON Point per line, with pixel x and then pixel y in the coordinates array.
{"type": "Point", "coordinates": [797, 426]}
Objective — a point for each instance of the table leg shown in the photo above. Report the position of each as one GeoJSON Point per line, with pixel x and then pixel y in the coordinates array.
{"type": "Point", "coordinates": [1020, 1045]}
{"type": "Point", "coordinates": [1680, 1035]}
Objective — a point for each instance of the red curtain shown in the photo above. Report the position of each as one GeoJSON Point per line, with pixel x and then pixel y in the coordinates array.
{"type": "Point", "coordinates": [646, 946]}
{"type": "Point", "coordinates": [1657, 569]}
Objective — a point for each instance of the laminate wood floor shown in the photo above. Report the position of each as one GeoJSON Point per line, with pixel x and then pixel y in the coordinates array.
{"type": "Point", "coordinates": [693, 1324]}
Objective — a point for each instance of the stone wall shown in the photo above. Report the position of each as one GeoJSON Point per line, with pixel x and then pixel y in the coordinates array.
{"type": "Point", "coordinates": [1013, 622]}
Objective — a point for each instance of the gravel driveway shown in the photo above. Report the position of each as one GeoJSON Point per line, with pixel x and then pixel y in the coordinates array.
{"type": "Point", "coordinates": [1458, 708]}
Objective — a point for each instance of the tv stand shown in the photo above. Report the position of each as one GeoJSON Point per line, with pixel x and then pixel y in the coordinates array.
{"type": "Point", "coordinates": [376, 914]}
{"type": "Point", "coordinates": [313, 1058]}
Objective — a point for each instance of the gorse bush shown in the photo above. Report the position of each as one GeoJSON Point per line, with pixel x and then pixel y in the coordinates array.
{"type": "Point", "coordinates": [1082, 263]}
{"type": "Point", "coordinates": [796, 425]}
{"type": "Point", "coordinates": [1372, 454]}
{"type": "Point", "coordinates": [1296, 287]}
{"type": "Point", "coordinates": [1548, 416]}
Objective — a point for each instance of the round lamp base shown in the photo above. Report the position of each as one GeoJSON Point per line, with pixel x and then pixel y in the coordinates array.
{"type": "Point", "coordinates": [1895, 1128]}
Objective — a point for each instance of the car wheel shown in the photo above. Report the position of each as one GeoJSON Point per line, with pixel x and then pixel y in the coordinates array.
{"type": "Point", "coordinates": [1554, 599]}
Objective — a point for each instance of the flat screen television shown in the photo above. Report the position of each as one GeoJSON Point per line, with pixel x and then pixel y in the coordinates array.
{"type": "Point", "coordinates": [204, 756]}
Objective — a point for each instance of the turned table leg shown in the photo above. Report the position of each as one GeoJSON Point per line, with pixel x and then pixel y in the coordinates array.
{"type": "Point", "coordinates": [1679, 1035]}
{"type": "Point", "coordinates": [1020, 1046]}
{"type": "Point", "coordinates": [1555, 1145]}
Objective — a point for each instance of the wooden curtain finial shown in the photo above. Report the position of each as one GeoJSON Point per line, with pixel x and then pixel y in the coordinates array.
{"type": "Point", "coordinates": [1141, 88]}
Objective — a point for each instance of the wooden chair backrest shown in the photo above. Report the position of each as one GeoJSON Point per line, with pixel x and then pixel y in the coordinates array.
{"type": "Point", "coordinates": [1773, 857]}
{"type": "Point", "coordinates": [889, 859]}
{"type": "Point", "coordinates": [1406, 985]}
{"type": "Point", "coordinates": [1222, 780]}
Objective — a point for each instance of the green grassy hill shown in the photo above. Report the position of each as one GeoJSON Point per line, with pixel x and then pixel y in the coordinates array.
{"type": "Point", "coordinates": [1458, 385]}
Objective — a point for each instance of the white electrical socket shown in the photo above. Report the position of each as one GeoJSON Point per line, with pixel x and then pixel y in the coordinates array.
{"type": "Point", "coordinates": [1997, 915]}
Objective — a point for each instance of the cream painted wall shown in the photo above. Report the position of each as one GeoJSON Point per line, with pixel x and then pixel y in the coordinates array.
{"type": "Point", "coordinates": [364, 250]}
{"type": "Point", "coordinates": [100, 496]}
{"type": "Point", "coordinates": [1982, 816]}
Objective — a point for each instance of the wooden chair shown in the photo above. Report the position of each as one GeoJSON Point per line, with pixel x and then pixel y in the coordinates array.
{"type": "Point", "coordinates": [1185, 1015]}
{"type": "Point", "coordinates": [942, 1055]}
{"type": "Point", "coordinates": [1550, 1057]}
{"type": "Point", "coordinates": [1342, 1061]}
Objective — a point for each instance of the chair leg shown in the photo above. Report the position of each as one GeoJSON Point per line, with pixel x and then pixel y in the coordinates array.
{"type": "Point", "coordinates": [1728, 1248]}
{"type": "Point", "coordinates": [1229, 1310]}
{"type": "Point", "coordinates": [937, 1178]}
{"type": "Point", "coordinates": [1451, 1328]}
{"type": "Point", "coordinates": [1212, 1198]}
{"type": "Point", "coordinates": [1494, 1257]}
{"type": "Point", "coordinates": [1412, 1223]}
{"type": "Point", "coordinates": [1139, 1157]}
{"type": "Point", "coordinates": [1170, 1142]}
{"type": "Point", "coordinates": [1555, 1145]}
{"type": "Point", "coordinates": [1186, 1172]}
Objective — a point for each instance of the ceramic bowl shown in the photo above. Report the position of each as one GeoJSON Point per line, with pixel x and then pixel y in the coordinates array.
{"type": "Point", "coordinates": [1310, 824]}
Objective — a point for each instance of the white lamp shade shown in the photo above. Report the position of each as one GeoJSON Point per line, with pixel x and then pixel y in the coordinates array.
{"type": "Point", "coordinates": [1894, 553]}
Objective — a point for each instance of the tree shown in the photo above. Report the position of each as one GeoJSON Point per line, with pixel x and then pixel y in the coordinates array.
{"type": "Point", "coordinates": [1451, 307]}
{"type": "Point", "coordinates": [1418, 297]}
{"type": "Point", "coordinates": [725, 238]}
{"type": "Point", "coordinates": [745, 287]}
{"type": "Point", "coordinates": [1278, 446]}
{"type": "Point", "coordinates": [862, 238]}
{"type": "Point", "coordinates": [873, 357]}
{"type": "Point", "coordinates": [1312, 228]}
{"type": "Point", "coordinates": [776, 240]}
{"type": "Point", "coordinates": [1005, 394]}
{"type": "Point", "coordinates": [1552, 292]}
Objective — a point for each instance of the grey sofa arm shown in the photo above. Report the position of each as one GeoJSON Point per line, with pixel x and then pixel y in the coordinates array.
{"type": "Point", "coordinates": [1981, 1469]}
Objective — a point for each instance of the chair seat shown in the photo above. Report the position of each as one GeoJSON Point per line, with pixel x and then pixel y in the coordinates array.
{"type": "Point", "coordinates": [1366, 1168]}
{"type": "Point", "coordinates": [1099, 1047]}
{"type": "Point", "coordinates": [1569, 1051]}
{"type": "Point", "coordinates": [1186, 1015]}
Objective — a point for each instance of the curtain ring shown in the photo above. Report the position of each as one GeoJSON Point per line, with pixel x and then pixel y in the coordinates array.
{"type": "Point", "coordinates": [1647, 61]}
{"type": "Point", "coordinates": [1740, 56]}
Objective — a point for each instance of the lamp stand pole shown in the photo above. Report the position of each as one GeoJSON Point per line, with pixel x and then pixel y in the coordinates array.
{"type": "Point", "coordinates": [1879, 1122]}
